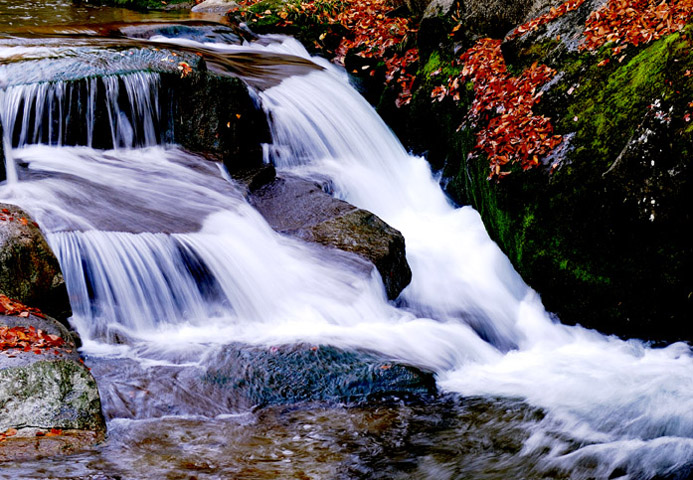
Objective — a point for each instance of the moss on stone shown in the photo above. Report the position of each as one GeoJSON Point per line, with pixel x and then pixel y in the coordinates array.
{"type": "Point", "coordinates": [50, 394]}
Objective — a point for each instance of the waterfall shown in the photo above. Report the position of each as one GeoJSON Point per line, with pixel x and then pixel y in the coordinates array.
{"type": "Point", "coordinates": [71, 113]}
{"type": "Point", "coordinates": [630, 404]}
{"type": "Point", "coordinates": [158, 248]}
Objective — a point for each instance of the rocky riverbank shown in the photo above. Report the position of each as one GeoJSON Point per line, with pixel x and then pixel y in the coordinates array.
{"type": "Point", "coordinates": [49, 401]}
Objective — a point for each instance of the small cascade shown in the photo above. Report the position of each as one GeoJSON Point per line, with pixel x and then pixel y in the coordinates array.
{"type": "Point", "coordinates": [115, 111]}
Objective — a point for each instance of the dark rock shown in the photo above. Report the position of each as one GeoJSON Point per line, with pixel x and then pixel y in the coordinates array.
{"type": "Point", "coordinates": [255, 178]}
{"type": "Point", "coordinates": [237, 377]}
{"type": "Point", "coordinates": [301, 373]}
{"type": "Point", "coordinates": [209, 112]}
{"type": "Point", "coordinates": [598, 229]}
{"type": "Point", "coordinates": [49, 393]}
{"type": "Point", "coordinates": [214, 115]}
{"type": "Point", "coordinates": [302, 209]}
{"type": "Point", "coordinates": [29, 271]}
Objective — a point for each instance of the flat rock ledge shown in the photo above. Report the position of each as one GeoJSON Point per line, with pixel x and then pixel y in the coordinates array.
{"type": "Point", "coordinates": [49, 401]}
{"type": "Point", "coordinates": [302, 209]}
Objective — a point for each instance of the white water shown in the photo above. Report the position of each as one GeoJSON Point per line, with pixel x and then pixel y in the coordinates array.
{"type": "Point", "coordinates": [626, 404]}
{"type": "Point", "coordinates": [631, 405]}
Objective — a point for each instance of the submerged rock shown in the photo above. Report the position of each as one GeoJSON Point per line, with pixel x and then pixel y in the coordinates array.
{"type": "Point", "coordinates": [236, 377]}
{"type": "Point", "coordinates": [301, 208]}
{"type": "Point", "coordinates": [29, 271]}
{"type": "Point", "coordinates": [49, 401]}
{"type": "Point", "coordinates": [301, 373]}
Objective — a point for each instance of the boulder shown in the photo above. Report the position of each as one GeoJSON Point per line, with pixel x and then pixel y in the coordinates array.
{"type": "Point", "coordinates": [237, 377]}
{"type": "Point", "coordinates": [49, 401]}
{"type": "Point", "coordinates": [29, 271]}
{"type": "Point", "coordinates": [301, 208]}
{"type": "Point", "coordinates": [303, 373]}
{"type": "Point", "coordinates": [598, 229]}
{"type": "Point", "coordinates": [220, 7]}
{"type": "Point", "coordinates": [202, 102]}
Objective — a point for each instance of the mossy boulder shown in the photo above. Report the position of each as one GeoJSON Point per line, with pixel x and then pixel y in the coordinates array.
{"type": "Point", "coordinates": [29, 271]}
{"type": "Point", "coordinates": [599, 228]}
{"type": "Point", "coordinates": [49, 401]}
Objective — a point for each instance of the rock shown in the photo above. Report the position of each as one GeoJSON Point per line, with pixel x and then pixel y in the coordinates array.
{"type": "Point", "coordinates": [215, 115]}
{"type": "Point", "coordinates": [29, 271]}
{"type": "Point", "coordinates": [215, 6]}
{"type": "Point", "coordinates": [568, 29]}
{"type": "Point", "coordinates": [598, 228]}
{"type": "Point", "coordinates": [254, 178]}
{"type": "Point", "coordinates": [302, 209]}
{"type": "Point", "coordinates": [301, 373]}
{"type": "Point", "coordinates": [49, 402]}
{"type": "Point", "coordinates": [209, 112]}
{"type": "Point", "coordinates": [237, 377]}
{"type": "Point", "coordinates": [478, 18]}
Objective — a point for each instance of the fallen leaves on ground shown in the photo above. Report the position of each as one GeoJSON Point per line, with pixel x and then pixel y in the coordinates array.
{"type": "Point", "coordinates": [628, 22]}
{"type": "Point", "coordinates": [550, 16]}
{"type": "Point", "coordinates": [29, 339]}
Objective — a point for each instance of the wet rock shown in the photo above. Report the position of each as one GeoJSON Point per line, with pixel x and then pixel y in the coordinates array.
{"type": "Point", "coordinates": [301, 373]}
{"type": "Point", "coordinates": [214, 115]}
{"type": "Point", "coordinates": [254, 178]}
{"type": "Point", "coordinates": [301, 208]}
{"type": "Point", "coordinates": [215, 6]}
{"type": "Point", "coordinates": [29, 271]}
{"type": "Point", "coordinates": [195, 98]}
{"type": "Point", "coordinates": [49, 401]}
{"type": "Point", "coordinates": [236, 377]}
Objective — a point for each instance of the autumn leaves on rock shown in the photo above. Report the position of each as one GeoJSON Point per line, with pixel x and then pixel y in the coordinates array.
{"type": "Point", "coordinates": [627, 22]}
{"type": "Point", "coordinates": [510, 132]}
{"type": "Point", "coordinates": [513, 133]}
{"type": "Point", "coordinates": [370, 31]}
{"type": "Point", "coordinates": [27, 339]}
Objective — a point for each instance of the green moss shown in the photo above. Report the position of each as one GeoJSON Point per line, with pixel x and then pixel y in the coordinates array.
{"type": "Point", "coordinates": [608, 98]}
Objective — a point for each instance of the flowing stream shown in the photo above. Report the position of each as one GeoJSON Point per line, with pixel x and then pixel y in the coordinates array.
{"type": "Point", "coordinates": [167, 265]}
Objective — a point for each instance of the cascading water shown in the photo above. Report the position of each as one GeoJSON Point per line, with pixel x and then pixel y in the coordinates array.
{"type": "Point", "coordinates": [616, 396]}
{"type": "Point", "coordinates": [162, 256]}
